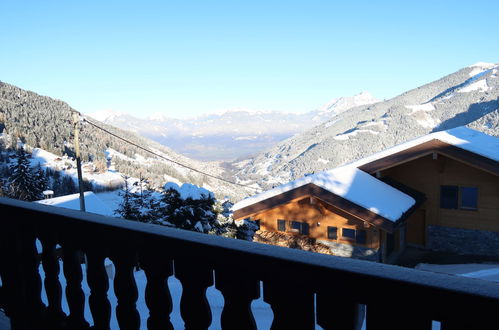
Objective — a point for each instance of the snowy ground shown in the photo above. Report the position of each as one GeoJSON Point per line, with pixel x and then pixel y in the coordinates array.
{"type": "Point", "coordinates": [488, 272]}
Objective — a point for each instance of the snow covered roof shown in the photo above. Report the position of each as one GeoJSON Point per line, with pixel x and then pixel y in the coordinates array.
{"type": "Point", "coordinates": [92, 203]}
{"type": "Point", "coordinates": [461, 137]}
{"type": "Point", "coordinates": [360, 188]}
{"type": "Point", "coordinates": [351, 184]}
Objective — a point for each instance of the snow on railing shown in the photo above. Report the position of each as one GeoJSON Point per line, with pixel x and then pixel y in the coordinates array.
{"type": "Point", "coordinates": [304, 289]}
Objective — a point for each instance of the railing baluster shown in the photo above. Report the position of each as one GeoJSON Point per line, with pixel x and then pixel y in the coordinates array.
{"type": "Point", "coordinates": [293, 306]}
{"type": "Point", "coordinates": [157, 295]}
{"type": "Point", "coordinates": [29, 275]}
{"type": "Point", "coordinates": [470, 315]}
{"type": "Point", "coordinates": [195, 277]}
{"type": "Point", "coordinates": [53, 289]}
{"type": "Point", "coordinates": [239, 290]}
{"type": "Point", "coordinates": [10, 285]}
{"type": "Point", "coordinates": [338, 313]}
{"type": "Point", "coordinates": [99, 285]}
{"type": "Point", "coordinates": [125, 289]}
{"type": "Point", "coordinates": [407, 316]}
{"type": "Point", "coordinates": [72, 259]}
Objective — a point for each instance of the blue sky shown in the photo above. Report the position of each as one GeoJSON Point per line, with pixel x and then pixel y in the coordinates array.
{"type": "Point", "coordinates": [185, 58]}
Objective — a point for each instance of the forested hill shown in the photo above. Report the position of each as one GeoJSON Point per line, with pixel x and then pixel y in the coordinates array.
{"type": "Point", "coordinates": [46, 123]}
{"type": "Point", "coordinates": [469, 96]}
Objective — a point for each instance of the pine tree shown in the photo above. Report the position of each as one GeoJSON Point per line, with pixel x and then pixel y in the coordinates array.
{"type": "Point", "coordinates": [57, 187]}
{"type": "Point", "coordinates": [41, 182]}
{"type": "Point", "coordinates": [68, 185]}
{"type": "Point", "coordinates": [22, 182]}
{"type": "Point", "coordinates": [171, 208]}
{"type": "Point", "coordinates": [129, 207]}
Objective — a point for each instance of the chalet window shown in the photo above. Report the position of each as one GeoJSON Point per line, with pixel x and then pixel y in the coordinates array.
{"type": "Point", "coordinates": [300, 227]}
{"type": "Point", "coordinates": [455, 197]}
{"type": "Point", "coordinates": [469, 198]}
{"type": "Point", "coordinates": [305, 230]}
{"type": "Point", "coordinates": [295, 226]}
{"type": "Point", "coordinates": [359, 236]}
{"type": "Point", "coordinates": [281, 225]}
{"type": "Point", "coordinates": [332, 232]}
{"type": "Point", "coordinates": [348, 233]}
{"type": "Point", "coordinates": [449, 197]}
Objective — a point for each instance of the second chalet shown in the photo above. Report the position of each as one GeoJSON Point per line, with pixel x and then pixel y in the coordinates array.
{"type": "Point", "coordinates": [440, 191]}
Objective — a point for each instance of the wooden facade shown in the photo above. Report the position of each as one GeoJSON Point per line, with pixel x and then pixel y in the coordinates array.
{"type": "Point", "coordinates": [453, 188]}
{"type": "Point", "coordinates": [428, 174]}
{"type": "Point", "coordinates": [322, 222]}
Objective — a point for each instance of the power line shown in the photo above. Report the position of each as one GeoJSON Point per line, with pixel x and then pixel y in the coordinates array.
{"type": "Point", "coordinates": [163, 157]}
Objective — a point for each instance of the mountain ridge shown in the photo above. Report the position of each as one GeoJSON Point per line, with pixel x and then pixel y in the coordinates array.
{"type": "Point", "coordinates": [469, 96]}
{"type": "Point", "coordinates": [229, 134]}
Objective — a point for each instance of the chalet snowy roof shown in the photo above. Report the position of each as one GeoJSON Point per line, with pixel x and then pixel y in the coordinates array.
{"type": "Point", "coordinates": [351, 184]}
{"type": "Point", "coordinates": [92, 203]}
{"type": "Point", "coordinates": [461, 137]}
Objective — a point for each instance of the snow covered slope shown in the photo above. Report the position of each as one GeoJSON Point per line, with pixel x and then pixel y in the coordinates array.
{"type": "Point", "coordinates": [468, 96]}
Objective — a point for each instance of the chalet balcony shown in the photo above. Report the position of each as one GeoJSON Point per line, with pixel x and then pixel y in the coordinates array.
{"type": "Point", "coordinates": [305, 290]}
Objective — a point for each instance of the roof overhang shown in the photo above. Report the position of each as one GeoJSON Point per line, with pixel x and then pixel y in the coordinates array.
{"type": "Point", "coordinates": [330, 198]}
{"type": "Point", "coordinates": [472, 159]}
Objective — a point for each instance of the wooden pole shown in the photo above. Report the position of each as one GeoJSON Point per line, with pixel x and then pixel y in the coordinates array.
{"type": "Point", "coordinates": [76, 123]}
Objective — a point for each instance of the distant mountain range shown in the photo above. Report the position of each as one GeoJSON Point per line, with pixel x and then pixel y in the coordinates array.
{"type": "Point", "coordinates": [342, 131]}
{"type": "Point", "coordinates": [469, 96]}
{"type": "Point", "coordinates": [227, 135]}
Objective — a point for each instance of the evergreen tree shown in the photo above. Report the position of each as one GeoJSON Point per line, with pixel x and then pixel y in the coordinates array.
{"type": "Point", "coordinates": [68, 185]}
{"type": "Point", "coordinates": [41, 182]}
{"type": "Point", "coordinates": [171, 204]}
{"type": "Point", "coordinates": [22, 181]}
{"type": "Point", "coordinates": [129, 207]}
{"type": "Point", "coordinates": [57, 187]}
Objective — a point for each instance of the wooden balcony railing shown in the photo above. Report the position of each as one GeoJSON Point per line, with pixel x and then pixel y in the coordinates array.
{"type": "Point", "coordinates": [304, 289]}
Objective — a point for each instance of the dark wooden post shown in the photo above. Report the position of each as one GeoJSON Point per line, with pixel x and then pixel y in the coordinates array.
{"type": "Point", "coordinates": [29, 277]}
{"type": "Point", "coordinates": [125, 289]}
{"type": "Point", "coordinates": [99, 285]}
{"type": "Point", "coordinates": [50, 262]}
{"type": "Point", "coordinates": [72, 259]}
{"type": "Point", "coordinates": [239, 290]}
{"type": "Point", "coordinates": [157, 295]}
{"type": "Point", "coordinates": [293, 305]}
{"type": "Point", "coordinates": [195, 276]}
{"type": "Point", "coordinates": [339, 313]}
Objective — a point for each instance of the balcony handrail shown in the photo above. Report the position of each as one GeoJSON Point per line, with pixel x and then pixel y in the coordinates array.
{"type": "Point", "coordinates": [287, 274]}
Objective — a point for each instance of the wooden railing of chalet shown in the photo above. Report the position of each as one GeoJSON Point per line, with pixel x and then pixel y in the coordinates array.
{"type": "Point", "coordinates": [303, 288]}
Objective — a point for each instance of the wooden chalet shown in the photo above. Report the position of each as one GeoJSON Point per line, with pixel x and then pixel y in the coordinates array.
{"type": "Point", "coordinates": [452, 176]}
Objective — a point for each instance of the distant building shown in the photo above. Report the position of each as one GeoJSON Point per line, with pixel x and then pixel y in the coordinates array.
{"type": "Point", "coordinates": [452, 178]}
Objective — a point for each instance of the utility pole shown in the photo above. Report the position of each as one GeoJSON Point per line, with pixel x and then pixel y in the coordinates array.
{"type": "Point", "coordinates": [76, 123]}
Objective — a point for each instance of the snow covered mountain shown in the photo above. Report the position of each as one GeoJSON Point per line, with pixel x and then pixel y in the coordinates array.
{"type": "Point", "coordinates": [46, 124]}
{"type": "Point", "coordinates": [230, 134]}
{"type": "Point", "coordinates": [469, 96]}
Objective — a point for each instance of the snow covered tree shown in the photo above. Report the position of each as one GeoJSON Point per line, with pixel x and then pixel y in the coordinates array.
{"type": "Point", "coordinates": [171, 205]}
{"type": "Point", "coordinates": [21, 184]}
{"type": "Point", "coordinates": [226, 226]}
{"type": "Point", "coordinates": [129, 207]}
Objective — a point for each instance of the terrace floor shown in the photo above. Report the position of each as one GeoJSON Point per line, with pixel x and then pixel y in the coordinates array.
{"type": "Point", "coordinates": [413, 256]}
